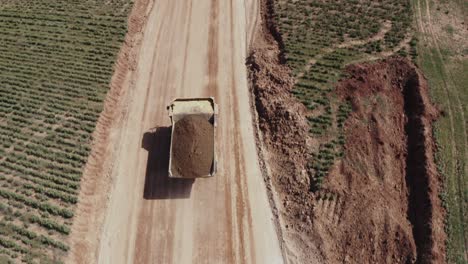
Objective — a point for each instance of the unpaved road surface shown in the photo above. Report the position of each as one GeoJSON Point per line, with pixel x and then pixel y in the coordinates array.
{"type": "Point", "coordinates": [188, 49]}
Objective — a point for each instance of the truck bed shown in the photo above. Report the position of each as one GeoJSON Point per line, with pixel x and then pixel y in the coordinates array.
{"type": "Point", "coordinates": [192, 138]}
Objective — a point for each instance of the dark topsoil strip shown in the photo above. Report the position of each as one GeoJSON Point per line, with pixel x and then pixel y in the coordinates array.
{"type": "Point", "coordinates": [420, 206]}
{"type": "Point", "coordinates": [192, 146]}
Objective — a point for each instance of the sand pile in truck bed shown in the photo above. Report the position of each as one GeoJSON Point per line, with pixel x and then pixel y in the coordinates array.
{"type": "Point", "coordinates": [192, 146]}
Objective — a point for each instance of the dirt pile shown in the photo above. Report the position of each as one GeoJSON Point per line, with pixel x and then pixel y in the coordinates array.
{"type": "Point", "coordinates": [192, 146]}
{"type": "Point", "coordinates": [388, 176]}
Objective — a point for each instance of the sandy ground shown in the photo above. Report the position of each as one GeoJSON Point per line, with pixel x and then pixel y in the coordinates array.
{"type": "Point", "coordinates": [187, 50]}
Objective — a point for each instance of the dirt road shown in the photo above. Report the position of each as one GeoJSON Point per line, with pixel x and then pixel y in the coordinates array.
{"type": "Point", "coordinates": [188, 49]}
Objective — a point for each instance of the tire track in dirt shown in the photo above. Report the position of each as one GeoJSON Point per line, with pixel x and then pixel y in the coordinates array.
{"type": "Point", "coordinates": [144, 253]}
{"type": "Point", "coordinates": [213, 48]}
{"type": "Point", "coordinates": [212, 88]}
{"type": "Point", "coordinates": [149, 84]}
{"type": "Point", "coordinates": [238, 192]}
{"type": "Point", "coordinates": [386, 26]}
{"type": "Point", "coordinates": [426, 27]}
{"type": "Point", "coordinates": [140, 256]}
{"type": "Point", "coordinates": [449, 103]}
{"type": "Point", "coordinates": [187, 41]}
{"type": "Point", "coordinates": [152, 69]}
{"type": "Point", "coordinates": [254, 8]}
{"type": "Point", "coordinates": [242, 188]}
{"type": "Point", "coordinates": [459, 104]}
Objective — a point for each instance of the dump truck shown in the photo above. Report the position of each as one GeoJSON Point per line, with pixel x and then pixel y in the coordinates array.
{"type": "Point", "coordinates": [192, 147]}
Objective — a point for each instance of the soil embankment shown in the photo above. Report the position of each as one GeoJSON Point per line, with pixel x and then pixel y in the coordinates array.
{"type": "Point", "coordinates": [192, 147]}
{"type": "Point", "coordinates": [379, 203]}
{"type": "Point", "coordinates": [283, 140]}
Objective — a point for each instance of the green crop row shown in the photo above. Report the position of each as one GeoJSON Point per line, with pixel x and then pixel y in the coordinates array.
{"type": "Point", "coordinates": [56, 62]}
{"type": "Point", "coordinates": [45, 207]}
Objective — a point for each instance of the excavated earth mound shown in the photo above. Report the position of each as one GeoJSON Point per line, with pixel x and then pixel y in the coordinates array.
{"type": "Point", "coordinates": [192, 146]}
{"type": "Point", "coordinates": [380, 203]}
{"type": "Point", "coordinates": [388, 183]}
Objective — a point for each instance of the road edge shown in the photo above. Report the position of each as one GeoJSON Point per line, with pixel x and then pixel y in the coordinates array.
{"type": "Point", "coordinates": [96, 179]}
{"type": "Point", "coordinates": [257, 32]}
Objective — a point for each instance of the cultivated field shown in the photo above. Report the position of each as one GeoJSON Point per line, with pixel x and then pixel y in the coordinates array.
{"type": "Point", "coordinates": [442, 57]}
{"type": "Point", "coordinates": [56, 61]}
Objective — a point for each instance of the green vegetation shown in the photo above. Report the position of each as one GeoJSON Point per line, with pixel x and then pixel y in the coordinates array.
{"type": "Point", "coordinates": [320, 39]}
{"type": "Point", "coordinates": [441, 59]}
{"type": "Point", "coordinates": [56, 62]}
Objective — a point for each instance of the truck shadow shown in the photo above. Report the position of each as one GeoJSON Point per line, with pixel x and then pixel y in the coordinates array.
{"type": "Point", "coordinates": [158, 185]}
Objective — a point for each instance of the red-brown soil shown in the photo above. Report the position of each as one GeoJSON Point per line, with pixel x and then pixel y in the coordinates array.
{"type": "Point", "coordinates": [379, 204]}
{"type": "Point", "coordinates": [192, 146]}
{"type": "Point", "coordinates": [388, 177]}
{"type": "Point", "coordinates": [283, 141]}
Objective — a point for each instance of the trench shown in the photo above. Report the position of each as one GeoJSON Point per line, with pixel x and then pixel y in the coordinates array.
{"type": "Point", "coordinates": [417, 176]}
